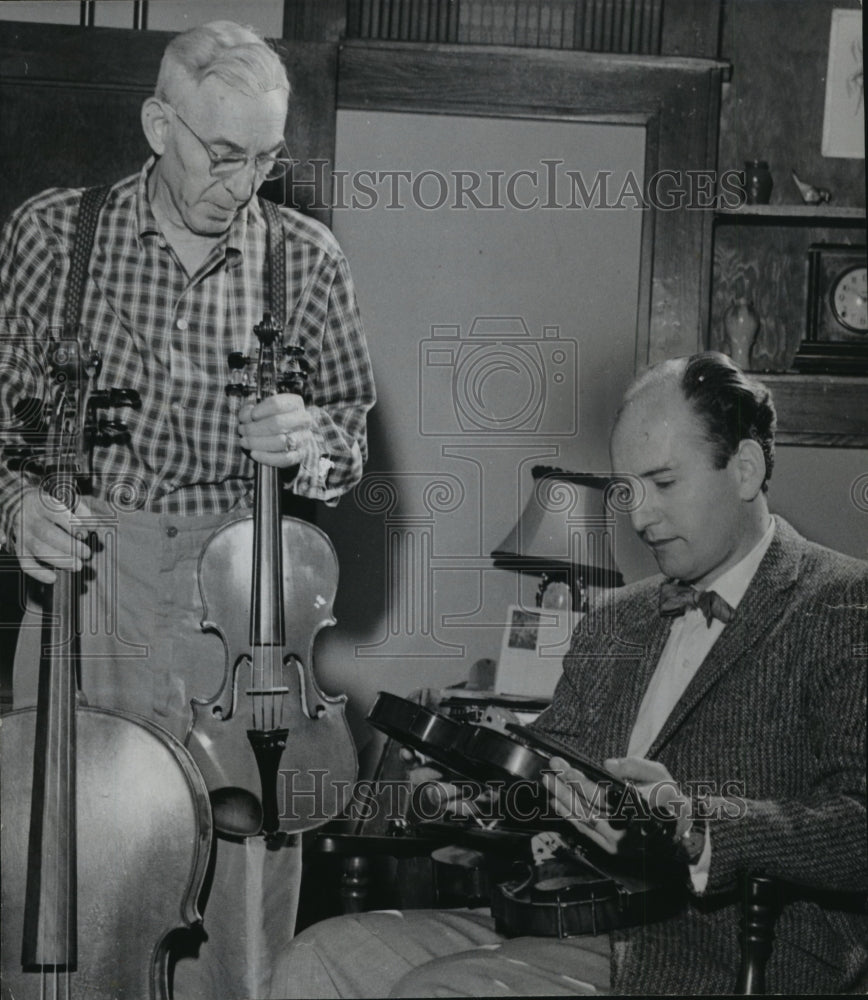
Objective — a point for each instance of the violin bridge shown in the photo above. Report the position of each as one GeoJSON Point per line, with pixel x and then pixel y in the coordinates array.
{"type": "Point", "coordinates": [268, 690]}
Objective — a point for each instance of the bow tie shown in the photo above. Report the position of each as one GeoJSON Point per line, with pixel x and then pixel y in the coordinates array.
{"type": "Point", "coordinates": [676, 598]}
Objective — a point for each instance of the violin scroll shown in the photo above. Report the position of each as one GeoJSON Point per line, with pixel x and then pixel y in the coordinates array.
{"type": "Point", "coordinates": [74, 410]}
{"type": "Point", "coordinates": [275, 369]}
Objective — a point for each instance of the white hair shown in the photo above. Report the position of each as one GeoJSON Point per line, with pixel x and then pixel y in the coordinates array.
{"type": "Point", "coordinates": [233, 53]}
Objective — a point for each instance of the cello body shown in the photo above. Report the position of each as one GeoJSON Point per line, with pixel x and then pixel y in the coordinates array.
{"type": "Point", "coordinates": [106, 826]}
{"type": "Point", "coordinates": [143, 834]}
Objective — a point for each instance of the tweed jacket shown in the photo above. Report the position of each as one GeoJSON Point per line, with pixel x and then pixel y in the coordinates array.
{"type": "Point", "coordinates": [774, 724]}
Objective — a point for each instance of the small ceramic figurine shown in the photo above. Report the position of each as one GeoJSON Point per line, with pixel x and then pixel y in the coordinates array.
{"type": "Point", "coordinates": [811, 195]}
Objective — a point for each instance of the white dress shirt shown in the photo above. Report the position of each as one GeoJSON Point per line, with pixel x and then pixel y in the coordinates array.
{"type": "Point", "coordinates": [690, 641]}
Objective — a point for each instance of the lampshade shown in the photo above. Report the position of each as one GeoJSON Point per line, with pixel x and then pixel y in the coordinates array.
{"type": "Point", "coordinates": [565, 528]}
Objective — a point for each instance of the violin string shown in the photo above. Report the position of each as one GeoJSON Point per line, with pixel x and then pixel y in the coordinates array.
{"type": "Point", "coordinates": [68, 595]}
{"type": "Point", "coordinates": [274, 653]}
{"type": "Point", "coordinates": [61, 444]}
{"type": "Point", "coordinates": [58, 790]}
{"type": "Point", "coordinates": [271, 389]}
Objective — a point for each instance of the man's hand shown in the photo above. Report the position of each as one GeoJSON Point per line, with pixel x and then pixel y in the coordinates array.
{"type": "Point", "coordinates": [440, 796]}
{"type": "Point", "coordinates": [48, 534]}
{"type": "Point", "coordinates": [589, 808]}
{"type": "Point", "coordinates": [276, 431]}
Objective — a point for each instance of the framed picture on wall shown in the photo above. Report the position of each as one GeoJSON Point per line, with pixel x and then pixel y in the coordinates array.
{"type": "Point", "coordinates": [843, 119]}
{"type": "Point", "coordinates": [532, 650]}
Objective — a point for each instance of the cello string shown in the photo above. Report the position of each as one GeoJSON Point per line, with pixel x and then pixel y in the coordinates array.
{"type": "Point", "coordinates": [61, 444]}
{"type": "Point", "coordinates": [252, 687]}
{"type": "Point", "coordinates": [70, 436]}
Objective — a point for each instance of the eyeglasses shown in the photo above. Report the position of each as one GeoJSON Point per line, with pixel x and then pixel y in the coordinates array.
{"type": "Point", "coordinates": [268, 166]}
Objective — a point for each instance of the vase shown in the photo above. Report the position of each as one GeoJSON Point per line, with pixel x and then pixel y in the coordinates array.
{"type": "Point", "coordinates": [740, 324]}
{"type": "Point", "coordinates": [758, 182]}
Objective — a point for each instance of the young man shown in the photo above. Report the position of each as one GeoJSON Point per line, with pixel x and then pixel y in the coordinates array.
{"type": "Point", "coordinates": [180, 273]}
{"type": "Point", "coordinates": [734, 696]}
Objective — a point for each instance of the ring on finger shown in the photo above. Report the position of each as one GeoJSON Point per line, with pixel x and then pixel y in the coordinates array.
{"type": "Point", "coordinates": [288, 442]}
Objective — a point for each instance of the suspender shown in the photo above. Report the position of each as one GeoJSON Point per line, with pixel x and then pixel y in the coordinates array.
{"type": "Point", "coordinates": [92, 201]}
{"type": "Point", "coordinates": [276, 257]}
{"type": "Point", "coordinates": [88, 215]}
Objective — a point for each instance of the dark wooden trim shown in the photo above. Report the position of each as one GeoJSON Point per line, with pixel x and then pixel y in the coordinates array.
{"type": "Point", "coordinates": [677, 101]}
{"type": "Point", "coordinates": [667, 27]}
{"type": "Point", "coordinates": [314, 20]}
{"type": "Point", "coordinates": [103, 57]}
{"type": "Point", "coordinates": [820, 410]}
{"type": "Point", "coordinates": [71, 98]}
{"type": "Point", "coordinates": [691, 28]}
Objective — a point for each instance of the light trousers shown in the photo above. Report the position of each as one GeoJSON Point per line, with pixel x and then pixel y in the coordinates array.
{"type": "Point", "coordinates": [143, 652]}
{"type": "Point", "coordinates": [437, 953]}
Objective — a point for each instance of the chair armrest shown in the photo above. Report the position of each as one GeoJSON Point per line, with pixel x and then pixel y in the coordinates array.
{"type": "Point", "coordinates": [760, 900]}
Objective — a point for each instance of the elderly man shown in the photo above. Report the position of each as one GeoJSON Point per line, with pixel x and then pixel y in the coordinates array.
{"type": "Point", "coordinates": [734, 696]}
{"type": "Point", "coordinates": [185, 260]}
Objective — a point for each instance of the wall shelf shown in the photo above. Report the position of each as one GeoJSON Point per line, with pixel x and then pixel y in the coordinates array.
{"type": "Point", "coordinates": [819, 214]}
{"type": "Point", "coordinates": [820, 410]}
{"type": "Point", "coordinates": [760, 253]}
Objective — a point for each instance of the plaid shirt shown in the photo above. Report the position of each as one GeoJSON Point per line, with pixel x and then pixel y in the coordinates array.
{"type": "Point", "coordinates": [167, 336]}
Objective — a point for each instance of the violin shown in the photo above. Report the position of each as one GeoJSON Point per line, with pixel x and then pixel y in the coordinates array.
{"type": "Point", "coordinates": [429, 733]}
{"type": "Point", "coordinates": [568, 897]}
{"type": "Point", "coordinates": [575, 890]}
{"type": "Point", "coordinates": [275, 751]}
{"type": "Point", "coordinates": [106, 821]}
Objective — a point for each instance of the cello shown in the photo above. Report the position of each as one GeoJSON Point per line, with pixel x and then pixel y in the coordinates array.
{"type": "Point", "coordinates": [275, 751]}
{"type": "Point", "coordinates": [106, 822]}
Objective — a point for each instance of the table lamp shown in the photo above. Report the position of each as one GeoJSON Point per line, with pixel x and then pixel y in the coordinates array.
{"type": "Point", "coordinates": [564, 536]}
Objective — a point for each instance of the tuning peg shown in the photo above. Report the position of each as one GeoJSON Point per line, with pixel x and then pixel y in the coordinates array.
{"type": "Point", "coordinates": [266, 331]}
{"type": "Point", "coordinates": [294, 370]}
{"type": "Point", "coordinates": [293, 382]}
{"type": "Point", "coordinates": [115, 397]}
{"type": "Point", "coordinates": [111, 432]}
{"type": "Point", "coordinates": [17, 456]}
{"type": "Point", "coordinates": [242, 383]}
{"type": "Point", "coordinates": [126, 397]}
{"type": "Point", "coordinates": [92, 362]}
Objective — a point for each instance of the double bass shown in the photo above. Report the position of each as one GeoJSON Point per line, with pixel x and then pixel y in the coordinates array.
{"type": "Point", "coordinates": [275, 751]}
{"type": "Point", "coordinates": [106, 821]}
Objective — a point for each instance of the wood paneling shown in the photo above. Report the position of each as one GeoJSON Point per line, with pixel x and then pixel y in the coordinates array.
{"type": "Point", "coordinates": [667, 27]}
{"type": "Point", "coordinates": [71, 98]}
{"type": "Point", "coordinates": [773, 108]}
{"type": "Point", "coordinates": [827, 410]}
{"type": "Point", "coordinates": [764, 259]}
